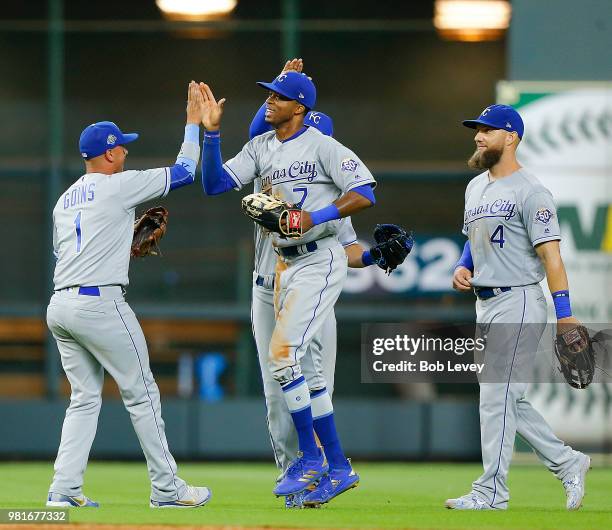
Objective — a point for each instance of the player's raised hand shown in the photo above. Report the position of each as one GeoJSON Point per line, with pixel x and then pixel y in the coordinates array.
{"type": "Point", "coordinates": [462, 279]}
{"type": "Point", "coordinates": [293, 65]}
{"type": "Point", "coordinates": [195, 104]}
{"type": "Point", "coordinates": [212, 109]}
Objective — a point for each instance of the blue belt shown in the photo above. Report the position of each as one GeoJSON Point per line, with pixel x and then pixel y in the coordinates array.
{"type": "Point", "coordinates": [89, 291]}
{"type": "Point", "coordinates": [260, 281]}
{"type": "Point", "coordinates": [290, 252]}
{"type": "Point", "coordinates": [484, 293]}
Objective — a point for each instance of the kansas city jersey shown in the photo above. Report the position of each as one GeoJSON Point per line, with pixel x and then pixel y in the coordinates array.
{"type": "Point", "coordinates": [504, 220]}
{"type": "Point", "coordinates": [310, 169]}
{"type": "Point", "coordinates": [93, 224]}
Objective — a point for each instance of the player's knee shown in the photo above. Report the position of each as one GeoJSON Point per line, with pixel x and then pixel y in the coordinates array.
{"type": "Point", "coordinates": [279, 348]}
{"type": "Point", "coordinates": [85, 402]}
{"type": "Point", "coordinates": [132, 397]}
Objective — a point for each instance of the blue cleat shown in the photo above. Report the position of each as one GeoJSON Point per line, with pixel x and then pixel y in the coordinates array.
{"type": "Point", "coordinates": [297, 500]}
{"type": "Point", "coordinates": [58, 500]}
{"type": "Point", "coordinates": [194, 497]}
{"type": "Point", "coordinates": [300, 474]}
{"type": "Point", "coordinates": [337, 481]}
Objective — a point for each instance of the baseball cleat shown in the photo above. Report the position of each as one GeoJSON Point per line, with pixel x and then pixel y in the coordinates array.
{"type": "Point", "coordinates": [575, 486]}
{"type": "Point", "coordinates": [297, 500]}
{"type": "Point", "coordinates": [58, 500]}
{"type": "Point", "coordinates": [194, 497]}
{"type": "Point", "coordinates": [471, 501]}
{"type": "Point", "coordinates": [300, 474]}
{"type": "Point", "coordinates": [337, 481]}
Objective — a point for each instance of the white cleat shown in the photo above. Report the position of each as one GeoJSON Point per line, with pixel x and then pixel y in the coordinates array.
{"type": "Point", "coordinates": [469, 501]}
{"type": "Point", "coordinates": [575, 485]}
{"type": "Point", "coordinates": [59, 500]}
{"type": "Point", "coordinates": [194, 497]}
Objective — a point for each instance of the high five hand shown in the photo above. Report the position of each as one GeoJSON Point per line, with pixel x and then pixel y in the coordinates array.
{"type": "Point", "coordinates": [212, 109]}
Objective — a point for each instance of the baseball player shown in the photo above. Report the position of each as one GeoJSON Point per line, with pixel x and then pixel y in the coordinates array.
{"type": "Point", "coordinates": [328, 182]}
{"type": "Point", "coordinates": [513, 235]}
{"type": "Point", "coordinates": [95, 328]}
{"type": "Point", "coordinates": [283, 436]}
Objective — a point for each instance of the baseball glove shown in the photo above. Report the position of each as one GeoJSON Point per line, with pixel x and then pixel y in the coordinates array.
{"type": "Point", "coordinates": [148, 230]}
{"type": "Point", "coordinates": [273, 214]}
{"type": "Point", "coordinates": [574, 350]}
{"type": "Point", "coordinates": [393, 246]}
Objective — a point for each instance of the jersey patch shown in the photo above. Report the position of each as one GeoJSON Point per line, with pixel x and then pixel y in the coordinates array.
{"type": "Point", "coordinates": [348, 164]}
{"type": "Point", "coordinates": [543, 216]}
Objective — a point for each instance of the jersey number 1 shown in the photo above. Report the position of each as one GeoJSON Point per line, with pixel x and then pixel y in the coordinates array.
{"type": "Point", "coordinates": [499, 233]}
{"type": "Point", "coordinates": [77, 224]}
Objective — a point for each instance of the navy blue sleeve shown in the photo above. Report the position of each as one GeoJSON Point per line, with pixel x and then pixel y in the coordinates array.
{"type": "Point", "coordinates": [215, 179]}
{"type": "Point", "coordinates": [367, 191]}
{"type": "Point", "coordinates": [259, 125]}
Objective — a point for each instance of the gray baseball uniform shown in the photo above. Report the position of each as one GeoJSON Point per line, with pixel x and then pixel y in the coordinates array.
{"type": "Point", "coordinates": [321, 352]}
{"type": "Point", "coordinates": [94, 326]}
{"type": "Point", "coordinates": [504, 220]}
{"type": "Point", "coordinates": [311, 170]}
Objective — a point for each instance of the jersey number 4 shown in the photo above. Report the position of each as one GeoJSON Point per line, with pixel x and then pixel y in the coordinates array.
{"type": "Point", "coordinates": [499, 234]}
{"type": "Point", "coordinates": [77, 226]}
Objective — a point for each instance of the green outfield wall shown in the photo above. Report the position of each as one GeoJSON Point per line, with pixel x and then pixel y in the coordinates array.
{"type": "Point", "coordinates": [236, 429]}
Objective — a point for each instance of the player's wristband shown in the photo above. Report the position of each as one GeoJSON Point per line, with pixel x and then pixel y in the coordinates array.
{"type": "Point", "coordinates": [367, 258]}
{"type": "Point", "coordinates": [563, 308]}
{"type": "Point", "coordinates": [329, 213]}
{"type": "Point", "coordinates": [212, 137]}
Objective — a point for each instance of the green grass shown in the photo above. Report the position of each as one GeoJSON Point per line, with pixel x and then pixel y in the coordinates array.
{"type": "Point", "coordinates": [389, 496]}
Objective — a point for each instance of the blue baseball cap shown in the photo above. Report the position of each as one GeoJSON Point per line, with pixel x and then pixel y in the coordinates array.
{"type": "Point", "coordinates": [295, 86]}
{"type": "Point", "coordinates": [98, 137]}
{"type": "Point", "coordinates": [320, 121]}
{"type": "Point", "coordinates": [499, 117]}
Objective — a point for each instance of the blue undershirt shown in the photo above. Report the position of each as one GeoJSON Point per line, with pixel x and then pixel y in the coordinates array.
{"type": "Point", "coordinates": [183, 171]}
{"type": "Point", "coordinates": [259, 124]}
{"type": "Point", "coordinates": [215, 179]}
{"type": "Point", "coordinates": [466, 258]}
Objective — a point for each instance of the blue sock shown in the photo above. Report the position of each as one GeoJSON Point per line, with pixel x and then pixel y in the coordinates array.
{"type": "Point", "coordinates": [297, 398]}
{"type": "Point", "coordinates": [325, 427]}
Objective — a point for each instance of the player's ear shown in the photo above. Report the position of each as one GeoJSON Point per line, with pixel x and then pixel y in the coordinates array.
{"type": "Point", "coordinates": [109, 155]}
{"type": "Point", "coordinates": [300, 109]}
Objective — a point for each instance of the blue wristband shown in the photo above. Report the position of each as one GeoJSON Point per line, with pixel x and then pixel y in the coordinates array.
{"type": "Point", "coordinates": [329, 213]}
{"type": "Point", "coordinates": [367, 258]}
{"type": "Point", "coordinates": [563, 308]}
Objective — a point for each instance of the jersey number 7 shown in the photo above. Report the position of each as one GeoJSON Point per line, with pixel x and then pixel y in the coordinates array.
{"type": "Point", "coordinates": [499, 233]}
{"type": "Point", "coordinates": [304, 194]}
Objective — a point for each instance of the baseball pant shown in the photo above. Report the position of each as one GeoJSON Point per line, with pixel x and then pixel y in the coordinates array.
{"type": "Point", "coordinates": [513, 322]}
{"type": "Point", "coordinates": [306, 290]}
{"type": "Point", "coordinates": [93, 334]}
{"type": "Point", "coordinates": [322, 352]}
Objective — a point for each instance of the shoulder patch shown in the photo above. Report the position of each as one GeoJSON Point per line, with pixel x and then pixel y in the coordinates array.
{"type": "Point", "coordinates": [348, 164]}
{"type": "Point", "coordinates": [543, 216]}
